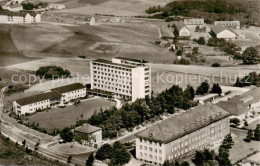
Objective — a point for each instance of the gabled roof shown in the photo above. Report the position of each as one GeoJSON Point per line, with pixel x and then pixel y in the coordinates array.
{"type": "Point", "coordinates": [183, 124]}
{"type": "Point", "coordinates": [87, 128]}
{"type": "Point", "coordinates": [219, 28]}
{"type": "Point", "coordinates": [38, 98]}
{"type": "Point", "coordinates": [233, 108]}
{"type": "Point", "coordinates": [179, 25]}
{"type": "Point", "coordinates": [21, 14]}
{"type": "Point", "coordinates": [68, 88]}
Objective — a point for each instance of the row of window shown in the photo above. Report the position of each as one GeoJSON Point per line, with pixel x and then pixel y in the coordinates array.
{"type": "Point", "coordinates": [112, 84]}
{"type": "Point", "coordinates": [150, 156]}
{"type": "Point", "coordinates": [111, 70]}
{"type": "Point", "coordinates": [145, 148]}
{"type": "Point", "coordinates": [150, 142]}
{"type": "Point", "coordinates": [111, 67]}
{"type": "Point", "coordinates": [105, 79]}
{"type": "Point", "coordinates": [113, 88]}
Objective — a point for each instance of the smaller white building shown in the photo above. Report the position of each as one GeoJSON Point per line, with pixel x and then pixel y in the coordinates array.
{"type": "Point", "coordinates": [230, 24]}
{"type": "Point", "coordinates": [13, 8]}
{"type": "Point", "coordinates": [182, 29]}
{"type": "Point", "coordinates": [223, 32]}
{"type": "Point", "coordinates": [8, 17]}
{"type": "Point", "coordinates": [56, 6]}
{"type": "Point", "coordinates": [71, 92]}
{"type": "Point", "coordinates": [36, 102]}
{"type": "Point", "coordinates": [90, 21]}
{"type": "Point", "coordinates": [194, 21]}
{"type": "Point", "coordinates": [88, 135]}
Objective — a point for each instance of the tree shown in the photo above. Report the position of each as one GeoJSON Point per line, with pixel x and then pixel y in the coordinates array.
{"type": "Point", "coordinates": [90, 160]}
{"type": "Point", "coordinates": [250, 56]}
{"type": "Point", "coordinates": [223, 157]}
{"type": "Point", "coordinates": [199, 158]}
{"type": "Point", "coordinates": [203, 88]}
{"type": "Point", "coordinates": [235, 121]}
{"type": "Point", "coordinates": [179, 52]}
{"type": "Point", "coordinates": [120, 155]}
{"type": "Point", "coordinates": [216, 89]}
{"type": "Point", "coordinates": [185, 163]}
{"type": "Point", "coordinates": [245, 123]}
{"type": "Point", "coordinates": [249, 136]}
{"type": "Point", "coordinates": [201, 41]}
{"type": "Point", "coordinates": [104, 152]}
{"type": "Point", "coordinates": [66, 135]}
{"type": "Point", "coordinates": [227, 142]}
{"type": "Point", "coordinates": [195, 50]}
{"type": "Point", "coordinates": [215, 65]}
{"type": "Point", "coordinates": [257, 133]}
{"type": "Point", "coordinates": [24, 142]}
{"type": "Point", "coordinates": [208, 155]}
{"type": "Point", "coordinates": [69, 159]}
{"type": "Point", "coordinates": [189, 92]}
{"type": "Point", "coordinates": [197, 28]}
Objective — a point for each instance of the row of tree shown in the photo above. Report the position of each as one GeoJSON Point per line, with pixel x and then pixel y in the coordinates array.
{"type": "Point", "coordinates": [251, 79]}
{"type": "Point", "coordinates": [208, 157]}
{"type": "Point", "coordinates": [51, 72]}
{"type": "Point", "coordinates": [113, 120]}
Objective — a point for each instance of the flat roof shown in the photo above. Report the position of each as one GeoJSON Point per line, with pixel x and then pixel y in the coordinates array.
{"type": "Point", "coordinates": [69, 88]}
{"type": "Point", "coordinates": [111, 63]}
{"type": "Point", "coordinates": [207, 96]}
{"type": "Point", "coordinates": [180, 125]}
{"type": "Point", "coordinates": [134, 60]}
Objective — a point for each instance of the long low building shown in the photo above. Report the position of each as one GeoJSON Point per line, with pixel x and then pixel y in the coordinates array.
{"type": "Point", "coordinates": [8, 17]}
{"type": "Point", "coordinates": [56, 96]}
{"type": "Point", "coordinates": [180, 136]}
{"type": "Point", "coordinates": [126, 78]}
{"type": "Point", "coordinates": [230, 24]}
{"type": "Point", "coordinates": [222, 32]}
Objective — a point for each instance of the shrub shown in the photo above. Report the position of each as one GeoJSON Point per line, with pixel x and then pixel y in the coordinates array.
{"type": "Point", "coordinates": [215, 65]}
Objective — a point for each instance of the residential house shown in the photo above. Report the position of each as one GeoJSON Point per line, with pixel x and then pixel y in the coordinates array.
{"type": "Point", "coordinates": [88, 135]}
{"type": "Point", "coordinates": [179, 137]}
{"type": "Point", "coordinates": [56, 6]}
{"type": "Point", "coordinates": [229, 24]}
{"type": "Point", "coordinates": [8, 17]}
{"type": "Point", "coordinates": [223, 32]}
{"type": "Point", "coordinates": [90, 21]}
{"type": "Point", "coordinates": [181, 29]}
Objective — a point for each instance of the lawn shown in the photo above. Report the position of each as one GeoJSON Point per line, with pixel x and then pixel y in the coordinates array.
{"type": "Point", "coordinates": [60, 118]}
{"type": "Point", "coordinates": [241, 149]}
{"type": "Point", "coordinates": [11, 154]}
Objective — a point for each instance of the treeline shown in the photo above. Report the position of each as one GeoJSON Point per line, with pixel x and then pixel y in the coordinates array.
{"type": "Point", "coordinates": [251, 79]}
{"type": "Point", "coordinates": [51, 72]}
{"type": "Point", "coordinates": [112, 121]}
{"type": "Point", "coordinates": [187, 8]}
{"type": "Point", "coordinates": [226, 46]}
{"type": "Point", "coordinates": [31, 6]}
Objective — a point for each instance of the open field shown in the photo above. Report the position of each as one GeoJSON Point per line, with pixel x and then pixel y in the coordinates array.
{"type": "Point", "coordinates": [111, 7]}
{"type": "Point", "coordinates": [241, 149]}
{"type": "Point", "coordinates": [65, 117]}
{"type": "Point", "coordinates": [14, 155]}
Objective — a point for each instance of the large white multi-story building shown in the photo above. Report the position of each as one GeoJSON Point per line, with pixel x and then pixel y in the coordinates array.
{"type": "Point", "coordinates": [180, 136]}
{"type": "Point", "coordinates": [43, 101]}
{"type": "Point", "coordinates": [126, 78]}
{"type": "Point", "coordinates": [8, 17]}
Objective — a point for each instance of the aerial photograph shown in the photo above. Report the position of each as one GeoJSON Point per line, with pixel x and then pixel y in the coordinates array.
{"type": "Point", "coordinates": [130, 82]}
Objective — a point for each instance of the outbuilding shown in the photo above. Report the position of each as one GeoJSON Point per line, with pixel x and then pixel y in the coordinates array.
{"type": "Point", "coordinates": [220, 31]}
{"type": "Point", "coordinates": [181, 29]}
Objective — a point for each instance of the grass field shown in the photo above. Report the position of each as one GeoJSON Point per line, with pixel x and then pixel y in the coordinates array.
{"type": "Point", "coordinates": [111, 7]}
{"type": "Point", "coordinates": [65, 117]}
{"type": "Point", "coordinates": [16, 155]}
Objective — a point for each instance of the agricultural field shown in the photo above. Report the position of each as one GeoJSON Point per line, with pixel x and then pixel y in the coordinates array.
{"type": "Point", "coordinates": [110, 7]}
{"type": "Point", "coordinates": [60, 118]}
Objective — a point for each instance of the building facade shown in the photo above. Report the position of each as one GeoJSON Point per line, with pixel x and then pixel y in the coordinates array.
{"type": "Point", "coordinates": [222, 32]}
{"type": "Point", "coordinates": [181, 29]}
{"type": "Point", "coordinates": [230, 24]}
{"type": "Point", "coordinates": [88, 135]}
{"type": "Point", "coordinates": [90, 21]}
{"type": "Point", "coordinates": [128, 79]}
{"type": "Point", "coordinates": [56, 96]}
{"type": "Point", "coordinates": [7, 17]}
{"type": "Point", "coordinates": [70, 92]}
{"type": "Point", "coordinates": [37, 102]}
{"type": "Point", "coordinates": [180, 136]}
{"type": "Point", "coordinates": [56, 6]}
{"type": "Point", "coordinates": [194, 22]}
